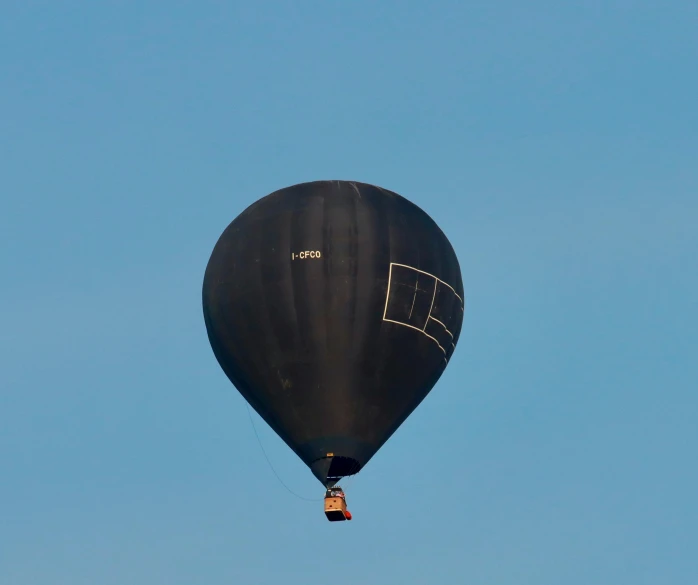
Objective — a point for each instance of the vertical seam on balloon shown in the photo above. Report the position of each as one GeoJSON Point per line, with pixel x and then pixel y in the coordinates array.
{"type": "Point", "coordinates": [414, 298]}
{"type": "Point", "coordinates": [436, 285]}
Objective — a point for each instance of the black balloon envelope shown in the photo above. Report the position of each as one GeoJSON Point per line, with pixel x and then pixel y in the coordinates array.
{"type": "Point", "coordinates": [333, 307]}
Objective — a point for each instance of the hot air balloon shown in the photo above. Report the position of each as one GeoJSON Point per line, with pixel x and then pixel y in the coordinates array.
{"type": "Point", "coordinates": [333, 307]}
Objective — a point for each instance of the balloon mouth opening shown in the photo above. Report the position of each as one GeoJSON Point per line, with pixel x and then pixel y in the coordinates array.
{"type": "Point", "coordinates": [343, 466]}
{"type": "Point", "coordinates": [329, 470]}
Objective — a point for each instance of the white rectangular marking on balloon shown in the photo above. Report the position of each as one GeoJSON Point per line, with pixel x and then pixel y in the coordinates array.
{"type": "Point", "coordinates": [442, 325]}
{"type": "Point", "coordinates": [428, 274]}
{"type": "Point", "coordinates": [387, 296]}
{"type": "Point", "coordinates": [437, 281]}
{"type": "Point", "coordinates": [417, 329]}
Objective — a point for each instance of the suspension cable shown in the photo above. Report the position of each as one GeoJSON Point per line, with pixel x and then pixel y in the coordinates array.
{"type": "Point", "coordinates": [288, 489]}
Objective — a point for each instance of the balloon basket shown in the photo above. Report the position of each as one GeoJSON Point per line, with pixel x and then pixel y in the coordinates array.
{"type": "Point", "coordinates": [336, 509]}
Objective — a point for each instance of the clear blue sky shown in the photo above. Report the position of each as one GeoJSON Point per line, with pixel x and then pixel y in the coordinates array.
{"type": "Point", "coordinates": [556, 143]}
